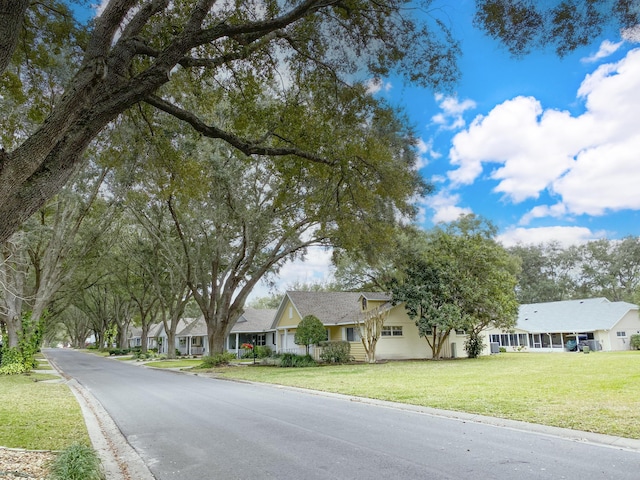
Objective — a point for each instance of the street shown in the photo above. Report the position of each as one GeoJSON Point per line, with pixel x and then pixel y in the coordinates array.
{"type": "Point", "coordinates": [189, 427]}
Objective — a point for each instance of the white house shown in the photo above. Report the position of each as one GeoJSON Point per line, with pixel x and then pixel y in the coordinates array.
{"type": "Point", "coordinates": [253, 326]}
{"type": "Point", "coordinates": [548, 327]}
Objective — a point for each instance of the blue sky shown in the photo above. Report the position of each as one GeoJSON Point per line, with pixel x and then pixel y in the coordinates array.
{"type": "Point", "coordinates": [546, 148]}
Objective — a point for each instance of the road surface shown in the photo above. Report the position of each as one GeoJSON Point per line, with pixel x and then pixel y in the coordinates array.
{"type": "Point", "coordinates": [189, 427]}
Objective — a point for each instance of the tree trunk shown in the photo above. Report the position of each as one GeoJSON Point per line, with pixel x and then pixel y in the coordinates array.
{"type": "Point", "coordinates": [14, 325]}
{"type": "Point", "coordinates": [371, 350]}
{"type": "Point", "coordinates": [439, 341]}
{"type": "Point", "coordinates": [144, 338]}
{"type": "Point", "coordinates": [171, 343]}
{"type": "Point", "coordinates": [122, 335]}
{"type": "Point", "coordinates": [216, 334]}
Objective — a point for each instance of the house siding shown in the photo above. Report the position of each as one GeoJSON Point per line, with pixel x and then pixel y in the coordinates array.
{"type": "Point", "coordinates": [630, 324]}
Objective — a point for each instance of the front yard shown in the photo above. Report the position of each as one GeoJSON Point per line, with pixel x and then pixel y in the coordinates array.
{"type": "Point", "coordinates": [596, 392]}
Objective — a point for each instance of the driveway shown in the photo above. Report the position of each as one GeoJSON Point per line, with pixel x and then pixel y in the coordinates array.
{"type": "Point", "coordinates": [190, 427]}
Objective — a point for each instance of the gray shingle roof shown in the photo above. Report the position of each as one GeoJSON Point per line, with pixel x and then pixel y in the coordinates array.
{"type": "Point", "coordinates": [331, 307]}
{"type": "Point", "coordinates": [255, 320]}
{"type": "Point", "coordinates": [194, 328]}
{"type": "Point", "coordinates": [252, 320]}
{"type": "Point", "coordinates": [572, 315]}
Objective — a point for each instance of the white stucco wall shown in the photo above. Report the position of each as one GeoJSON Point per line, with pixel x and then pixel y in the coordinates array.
{"type": "Point", "coordinates": [630, 325]}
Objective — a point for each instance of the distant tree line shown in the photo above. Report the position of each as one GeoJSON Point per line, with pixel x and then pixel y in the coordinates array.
{"type": "Point", "coordinates": [601, 268]}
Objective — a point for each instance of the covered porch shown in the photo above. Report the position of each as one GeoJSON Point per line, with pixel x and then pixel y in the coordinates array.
{"type": "Point", "coordinates": [544, 341]}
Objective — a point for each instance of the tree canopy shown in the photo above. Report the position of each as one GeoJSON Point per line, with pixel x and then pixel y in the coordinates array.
{"type": "Point", "coordinates": [64, 82]}
{"type": "Point", "coordinates": [457, 278]}
{"type": "Point", "coordinates": [309, 331]}
{"type": "Point", "coordinates": [552, 272]}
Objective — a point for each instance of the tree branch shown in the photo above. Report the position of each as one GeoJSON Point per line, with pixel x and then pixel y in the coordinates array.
{"type": "Point", "coordinates": [248, 147]}
{"type": "Point", "coordinates": [11, 15]}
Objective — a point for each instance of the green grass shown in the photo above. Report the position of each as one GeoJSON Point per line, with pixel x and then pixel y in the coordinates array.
{"type": "Point", "coordinates": [178, 363]}
{"type": "Point", "coordinates": [39, 416]}
{"type": "Point", "coordinates": [77, 462]}
{"type": "Point", "coordinates": [597, 392]}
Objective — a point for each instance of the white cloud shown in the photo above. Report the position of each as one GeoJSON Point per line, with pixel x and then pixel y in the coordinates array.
{"type": "Point", "coordinates": [606, 48]}
{"type": "Point", "coordinates": [446, 207]}
{"type": "Point", "coordinates": [542, 211]}
{"type": "Point", "coordinates": [425, 153]}
{"type": "Point", "coordinates": [450, 118]}
{"type": "Point", "coordinates": [566, 236]}
{"type": "Point", "coordinates": [375, 85]}
{"type": "Point", "coordinates": [316, 267]}
{"type": "Point", "coordinates": [589, 161]}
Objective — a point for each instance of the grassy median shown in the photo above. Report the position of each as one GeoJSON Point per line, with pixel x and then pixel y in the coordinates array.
{"type": "Point", "coordinates": [597, 392]}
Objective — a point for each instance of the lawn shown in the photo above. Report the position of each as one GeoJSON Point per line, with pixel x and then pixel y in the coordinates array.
{"type": "Point", "coordinates": [596, 392]}
{"type": "Point", "coordinates": [39, 416]}
{"type": "Point", "coordinates": [177, 363]}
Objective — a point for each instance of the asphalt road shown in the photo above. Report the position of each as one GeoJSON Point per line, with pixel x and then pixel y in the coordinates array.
{"type": "Point", "coordinates": [188, 427]}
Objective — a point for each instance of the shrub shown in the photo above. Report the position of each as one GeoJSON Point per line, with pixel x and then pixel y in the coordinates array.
{"type": "Point", "coordinates": [143, 356]}
{"type": "Point", "coordinates": [503, 350]}
{"type": "Point", "coordinates": [293, 360]}
{"type": "Point", "coordinates": [310, 331]}
{"type": "Point", "coordinates": [13, 362]}
{"type": "Point", "coordinates": [635, 342]}
{"type": "Point", "coordinates": [335, 352]}
{"type": "Point", "coordinates": [217, 360]}
{"type": "Point", "coordinates": [13, 369]}
{"type": "Point", "coordinates": [260, 351]}
{"type": "Point", "coordinates": [474, 344]}
{"type": "Point", "coordinates": [77, 462]}
{"type": "Point", "coordinates": [119, 351]}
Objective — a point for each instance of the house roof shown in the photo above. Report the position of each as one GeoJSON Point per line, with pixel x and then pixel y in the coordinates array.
{"type": "Point", "coordinates": [572, 316]}
{"type": "Point", "coordinates": [376, 296]}
{"type": "Point", "coordinates": [252, 320]}
{"type": "Point", "coordinates": [154, 330]}
{"type": "Point", "coordinates": [331, 308]}
{"type": "Point", "coordinates": [196, 328]}
{"type": "Point", "coordinates": [255, 320]}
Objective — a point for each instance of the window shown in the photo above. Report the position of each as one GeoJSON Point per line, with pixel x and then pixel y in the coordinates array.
{"type": "Point", "coordinates": [290, 312]}
{"type": "Point", "coordinates": [364, 303]}
{"type": "Point", "coordinates": [509, 339]}
{"type": "Point", "coordinates": [460, 332]}
{"type": "Point", "coordinates": [261, 339]}
{"type": "Point", "coordinates": [392, 331]}
{"type": "Point", "coordinates": [196, 341]}
{"type": "Point", "coordinates": [353, 334]}
{"type": "Point", "coordinates": [621, 333]}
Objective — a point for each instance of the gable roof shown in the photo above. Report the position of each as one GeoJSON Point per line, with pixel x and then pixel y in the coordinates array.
{"type": "Point", "coordinates": [572, 316]}
{"type": "Point", "coordinates": [255, 320]}
{"type": "Point", "coordinates": [252, 320]}
{"type": "Point", "coordinates": [195, 328]}
{"type": "Point", "coordinates": [331, 308]}
{"type": "Point", "coordinates": [154, 330]}
{"type": "Point", "coordinates": [376, 296]}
